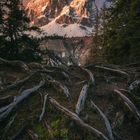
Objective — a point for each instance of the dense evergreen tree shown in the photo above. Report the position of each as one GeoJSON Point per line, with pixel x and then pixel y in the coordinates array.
{"type": "Point", "coordinates": [122, 31]}
{"type": "Point", "coordinates": [17, 44]}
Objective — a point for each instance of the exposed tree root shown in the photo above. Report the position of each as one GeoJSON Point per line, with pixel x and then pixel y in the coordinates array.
{"type": "Point", "coordinates": [32, 135]}
{"type": "Point", "coordinates": [20, 133]}
{"type": "Point", "coordinates": [106, 121]}
{"type": "Point", "coordinates": [81, 100]}
{"type": "Point", "coordinates": [133, 64]}
{"type": "Point", "coordinates": [62, 87]}
{"type": "Point", "coordinates": [92, 79]}
{"type": "Point", "coordinates": [15, 63]}
{"type": "Point", "coordinates": [49, 129]}
{"type": "Point", "coordinates": [77, 120]}
{"type": "Point", "coordinates": [6, 129]}
{"type": "Point", "coordinates": [44, 108]}
{"type": "Point", "coordinates": [6, 100]}
{"type": "Point", "coordinates": [134, 85]}
{"type": "Point", "coordinates": [25, 94]}
{"type": "Point", "coordinates": [120, 72]}
{"type": "Point", "coordinates": [68, 81]}
{"type": "Point", "coordinates": [23, 81]}
{"type": "Point", "coordinates": [129, 104]}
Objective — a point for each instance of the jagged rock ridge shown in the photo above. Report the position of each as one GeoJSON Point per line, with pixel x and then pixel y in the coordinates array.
{"type": "Point", "coordinates": [71, 18]}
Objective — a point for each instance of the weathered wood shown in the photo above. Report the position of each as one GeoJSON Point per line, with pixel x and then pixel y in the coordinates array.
{"type": "Point", "coordinates": [129, 104]}
{"type": "Point", "coordinates": [81, 100]}
{"type": "Point", "coordinates": [77, 120]}
{"type": "Point", "coordinates": [105, 119]}
{"type": "Point", "coordinates": [24, 95]}
{"type": "Point", "coordinates": [43, 108]}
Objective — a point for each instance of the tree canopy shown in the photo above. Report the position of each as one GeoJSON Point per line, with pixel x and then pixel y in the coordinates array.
{"type": "Point", "coordinates": [16, 43]}
{"type": "Point", "coordinates": [122, 31]}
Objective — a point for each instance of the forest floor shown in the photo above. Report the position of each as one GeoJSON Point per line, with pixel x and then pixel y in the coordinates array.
{"type": "Point", "coordinates": [26, 118]}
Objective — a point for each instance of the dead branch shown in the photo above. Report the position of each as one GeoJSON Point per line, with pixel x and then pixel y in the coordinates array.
{"type": "Point", "coordinates": [15, 63]}
{"type": "Point", "coordinates": [129, 104]}
{"type": "Point", "coordinates": [107, 123]}
{"type": "Point", "coordinates": [24, 95]}
{"type": "Point", "coordinates": [44, 108]}
{"type": "Point", "coordinates": [77, 120]}
{"type": "Point", "coordinates": [120, 72]}
{"type": "Point", "coordinates": [81, 100]}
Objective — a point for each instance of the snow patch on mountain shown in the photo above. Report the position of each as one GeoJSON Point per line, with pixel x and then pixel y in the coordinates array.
{"type": "Point", "coordinates": [64, 30]}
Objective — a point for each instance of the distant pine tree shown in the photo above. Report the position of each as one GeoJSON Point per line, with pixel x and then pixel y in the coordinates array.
{"type": "Point", "coordinates": [15, 26]}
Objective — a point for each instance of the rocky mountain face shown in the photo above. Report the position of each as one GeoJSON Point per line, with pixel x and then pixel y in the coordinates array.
{"type": "Point", "coordinates": [71, 18]}
{"type": "Point", "coordinates": [41, 12]}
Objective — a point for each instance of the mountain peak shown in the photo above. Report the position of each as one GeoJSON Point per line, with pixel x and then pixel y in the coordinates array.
{"type": "Point", "coordinates": [62, 12]}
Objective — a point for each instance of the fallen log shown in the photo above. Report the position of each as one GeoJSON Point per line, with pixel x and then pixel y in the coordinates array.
{"type": "Point", "coordinates": [24, 95]}
{"type": "Point", "coordinates": [77, 120]}
{"type": "Point", "coordinates": [15, 63]}
{"type": "Point", "coordinates": [129, 104]}
{"type": "Point", "coordinates": [81, 100]}
{"type": "Point", "coordinates": [44, 108]}
{"type": "Point", "coordinates": [105, 119]}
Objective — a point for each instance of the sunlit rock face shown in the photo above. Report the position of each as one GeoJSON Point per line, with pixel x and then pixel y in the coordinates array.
{"type": "Point", "coordinates": [63, 17]}
{"type": "Point", "coordinates": [42, 12]}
